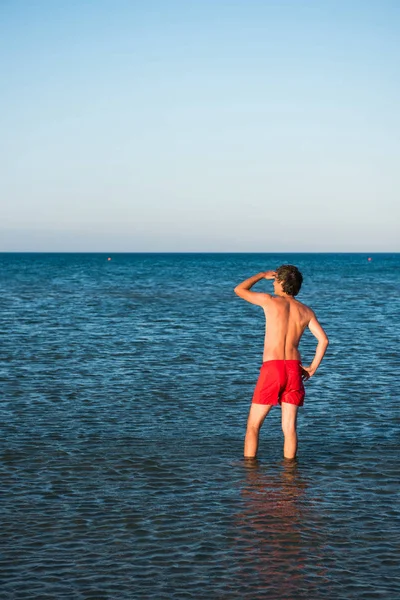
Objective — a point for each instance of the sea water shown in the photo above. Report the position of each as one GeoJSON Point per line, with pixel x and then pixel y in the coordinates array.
{"type": "Point", "coordinates": [125, 387]}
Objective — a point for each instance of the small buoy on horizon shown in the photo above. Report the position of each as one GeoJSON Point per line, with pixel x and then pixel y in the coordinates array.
{"type": "Point", "coordinates": [369, 259]}
{"type": "Point", "coordinates": [110, 258]}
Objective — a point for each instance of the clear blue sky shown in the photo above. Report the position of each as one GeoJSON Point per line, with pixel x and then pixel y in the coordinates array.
{"type": "Point", "coordinates": [200, 125]}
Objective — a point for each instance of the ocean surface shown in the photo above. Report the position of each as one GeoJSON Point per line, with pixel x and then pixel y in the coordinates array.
{"type": "Point", "coordinates": [125, 387]}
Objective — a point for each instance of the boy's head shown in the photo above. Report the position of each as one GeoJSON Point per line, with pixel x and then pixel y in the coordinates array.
{"type": "Point", "coordinates": [290, 279]}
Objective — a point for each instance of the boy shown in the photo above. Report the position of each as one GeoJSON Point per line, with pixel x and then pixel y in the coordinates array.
{"type": "Point", "coordinates": [282, 374]}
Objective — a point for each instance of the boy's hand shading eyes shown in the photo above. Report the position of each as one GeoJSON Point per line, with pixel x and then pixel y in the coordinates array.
{"type": "Point", "coordinates": [270, 275]}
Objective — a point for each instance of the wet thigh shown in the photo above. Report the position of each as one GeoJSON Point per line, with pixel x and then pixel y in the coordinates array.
{"type": "Point", "coordinates": [257, 414]}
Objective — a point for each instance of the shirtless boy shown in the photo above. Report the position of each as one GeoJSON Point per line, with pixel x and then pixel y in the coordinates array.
{"type": "Point", "coordinates": [282, 374]}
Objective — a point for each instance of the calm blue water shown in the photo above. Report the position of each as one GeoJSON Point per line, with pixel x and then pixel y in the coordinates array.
{"type": "Point", "coordinates": [125, 388]}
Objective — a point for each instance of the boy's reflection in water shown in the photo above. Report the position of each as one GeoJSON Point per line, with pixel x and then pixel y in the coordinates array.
{"type": "Point", "coordinates": [276, 533]}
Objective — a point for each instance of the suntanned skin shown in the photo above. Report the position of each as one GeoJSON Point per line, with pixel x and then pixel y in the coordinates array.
{"type": "Point", "coordinates": [286, 321]}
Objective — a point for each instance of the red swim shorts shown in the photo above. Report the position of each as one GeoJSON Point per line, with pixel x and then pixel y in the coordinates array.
{"type": "Point", "coordinates": [280, 381]}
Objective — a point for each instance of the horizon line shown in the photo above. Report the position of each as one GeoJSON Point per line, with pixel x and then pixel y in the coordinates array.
{"type": "Point", "coordinates": [198, 252]}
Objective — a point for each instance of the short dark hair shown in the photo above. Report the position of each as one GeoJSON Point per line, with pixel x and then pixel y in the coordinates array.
{"type": "Point", "coordinates": [291, 279]}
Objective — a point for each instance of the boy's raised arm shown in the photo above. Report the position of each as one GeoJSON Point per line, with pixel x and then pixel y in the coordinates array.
{"type": "Point", "coordinates": [243, 289]}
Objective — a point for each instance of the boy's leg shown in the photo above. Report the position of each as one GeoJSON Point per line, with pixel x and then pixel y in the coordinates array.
{"type": "Point", "coordinates": [257, 414]}
{"type": "Point", "coordinates": [289, 422]}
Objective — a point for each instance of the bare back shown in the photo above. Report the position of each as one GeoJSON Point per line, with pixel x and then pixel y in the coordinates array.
{"type": "Point", "coordinates": [286, 320]}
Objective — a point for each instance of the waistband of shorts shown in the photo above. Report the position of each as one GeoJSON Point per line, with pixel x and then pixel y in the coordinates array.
{"type": "Point", "coordinates": [282, 360]}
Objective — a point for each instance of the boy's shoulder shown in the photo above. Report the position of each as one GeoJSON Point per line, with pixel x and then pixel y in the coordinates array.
{"type": "Point", "coordinates": [305, 308]}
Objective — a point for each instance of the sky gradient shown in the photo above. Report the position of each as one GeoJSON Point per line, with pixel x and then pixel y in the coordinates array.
{"type": "Point", "coordinates": [248, 125]}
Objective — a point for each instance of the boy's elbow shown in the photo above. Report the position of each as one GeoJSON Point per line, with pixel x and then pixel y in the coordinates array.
{"type": "Point", "coordinates": [238, 291]}
{"type": "Point", "coordinates": [323, 341]}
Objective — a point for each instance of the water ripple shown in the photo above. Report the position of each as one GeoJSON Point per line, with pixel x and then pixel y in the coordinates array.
{"type": "Point", "coordinates": [125, 387]}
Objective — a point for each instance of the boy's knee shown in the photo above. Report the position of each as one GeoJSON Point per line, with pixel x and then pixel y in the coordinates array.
{"type": "Point", "coordinates": [289, 428]}
{"type": "Point", "coordinates": [254, 427]}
